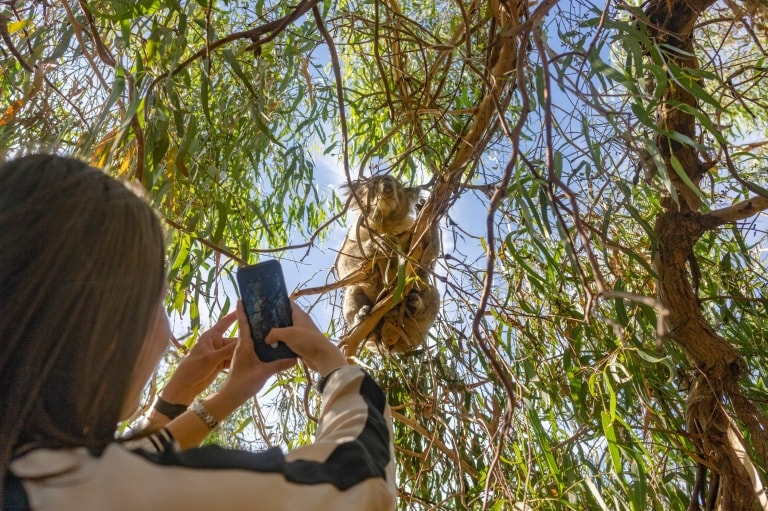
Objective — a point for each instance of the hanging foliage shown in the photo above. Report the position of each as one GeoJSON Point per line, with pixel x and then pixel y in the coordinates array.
{"type": "Point", "coordinates": [598, 172]}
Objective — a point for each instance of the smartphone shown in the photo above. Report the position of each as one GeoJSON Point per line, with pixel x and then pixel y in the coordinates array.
{"type": "Point", "coordinates": [266, 303]}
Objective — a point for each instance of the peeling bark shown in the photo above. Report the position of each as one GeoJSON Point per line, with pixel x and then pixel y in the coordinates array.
{"type": "Point", "coordinates": [676, 234]}
{"type": "Point", "coordinates": [734, 483]}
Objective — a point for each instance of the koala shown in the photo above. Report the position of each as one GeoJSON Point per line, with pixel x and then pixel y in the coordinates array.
{"type": "Point", "coordinates": [382, 233]}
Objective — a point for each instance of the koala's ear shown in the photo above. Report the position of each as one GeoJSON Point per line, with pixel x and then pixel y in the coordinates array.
{"type": "Point", "coordinates": [347, 188]}
{"type": "Point", "coordinates": [355, 189]}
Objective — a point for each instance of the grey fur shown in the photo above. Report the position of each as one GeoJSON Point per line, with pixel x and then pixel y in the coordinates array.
{"type": "Point", "coordinates": [381, 234]}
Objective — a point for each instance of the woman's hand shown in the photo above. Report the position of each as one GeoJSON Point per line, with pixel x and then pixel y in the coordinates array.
{"type": "Point", "coordinates": [307, 341]}
{"type": "Point", "coordinates": [210, 355]}
{"type": "Point", "coordinates": [247, 373]}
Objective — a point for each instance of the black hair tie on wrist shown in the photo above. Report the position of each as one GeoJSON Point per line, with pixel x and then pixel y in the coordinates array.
{"type": "Point", "coordinates": [168, 409]}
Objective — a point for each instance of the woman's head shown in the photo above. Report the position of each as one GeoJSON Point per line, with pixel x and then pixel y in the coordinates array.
{"type": "Point", "coordinates": [81, 277]}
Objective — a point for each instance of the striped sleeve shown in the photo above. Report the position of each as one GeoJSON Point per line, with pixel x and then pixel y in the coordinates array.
{"type": "Point", "coordinates": [352, 449]}
{"type": "Point", "coordinates": [155, 442]}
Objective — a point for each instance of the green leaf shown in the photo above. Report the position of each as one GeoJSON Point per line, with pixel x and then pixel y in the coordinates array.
{"type": "Point", "coordinates": [205, 96]}
{"type": "Point", "coordinates": [221, 222]}
{"type": "Point", "coordinates": [118, 87]}
{"type": "Point", "coordinates": [610, 436]}
{"type": "Point", "coordinates": [690, 83]}
{"type": "Point", "coordinates": [600, 67]}
{"type": "Point", "coordinates": [596, 494]}
{"type": "Point", "coordinates": [683, 175]}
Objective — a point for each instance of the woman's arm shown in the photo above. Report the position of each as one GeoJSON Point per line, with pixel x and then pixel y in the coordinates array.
{"type": "Point", "coordinates": [247, 374]}
{"type": "Point", "coordinates": [210, 355]}
{"type": "Point", "coordinates": [348, 466]}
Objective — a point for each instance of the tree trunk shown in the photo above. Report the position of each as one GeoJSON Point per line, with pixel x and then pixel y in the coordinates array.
{"type": "Point", "coordinates": [717, 368]}
{"type": "Point", "coordinates": [733, 482]}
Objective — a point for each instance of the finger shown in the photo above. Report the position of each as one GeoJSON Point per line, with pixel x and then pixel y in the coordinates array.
{"type": "Point", "coordinates": [224, 323]}
{"type": "Point", "coordinates": [299, 315]}
{"type": "Point", "coordinates": [281, 365]}
{"type": "Point", "coordinates": [245, 340]}
{"type": "Point", "coordinates": [222, 366]}
{"type": "Point", "coordinates": [226, 352]}
{"type": "Point", "coordinates": [216, 340]}
{"type": "Point", "coordinates": [296, 339]}
{"type": "Point", "coordinates": [227, 343]}
{"type": "Point", "coordinates": [242, 320]}
{"type": "Point", "coordinates": [286, 335]}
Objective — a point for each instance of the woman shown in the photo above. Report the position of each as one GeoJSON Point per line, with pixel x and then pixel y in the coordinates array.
{"type": "Point", "coordinates": [82, 327]}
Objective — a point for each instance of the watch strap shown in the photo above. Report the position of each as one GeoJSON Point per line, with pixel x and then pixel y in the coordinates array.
{"type": "Point", "coordinates": [205, 415]}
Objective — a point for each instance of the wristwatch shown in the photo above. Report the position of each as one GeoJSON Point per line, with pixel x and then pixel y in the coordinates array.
{"type": "Point", "coordinates": [205, 415]}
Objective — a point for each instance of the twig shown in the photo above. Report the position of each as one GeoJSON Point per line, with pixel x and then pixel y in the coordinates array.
{"type": "Point", "coordinates": [203, 241]}
{"type": "Point", "coordinates": [257, 35]}
{"type": "Point", "coordinates": [352, 278]}
{"type": "Point", "coordinates": [437, 443]}
{"type": "Point", "coordinates": [339, 88]}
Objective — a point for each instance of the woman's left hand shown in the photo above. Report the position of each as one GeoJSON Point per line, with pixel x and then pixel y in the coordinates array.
{"type": "Point", "coordinates": [211, 354]}
{"type": "Point", "coordinates": [247, 375]}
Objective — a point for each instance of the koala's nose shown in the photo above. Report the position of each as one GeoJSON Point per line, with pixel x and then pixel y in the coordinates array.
{"type": "Point", "coordinates": [387, 185]}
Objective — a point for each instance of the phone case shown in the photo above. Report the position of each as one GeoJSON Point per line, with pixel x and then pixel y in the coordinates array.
{"type": "Point", "coordinates": [266, 303]}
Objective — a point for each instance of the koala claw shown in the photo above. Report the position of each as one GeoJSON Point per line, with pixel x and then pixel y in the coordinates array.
{"type": "Point", "coordinates": [363, 313]}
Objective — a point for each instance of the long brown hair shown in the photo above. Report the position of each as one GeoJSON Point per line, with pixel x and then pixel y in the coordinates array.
{"type": "Point", "coordinates": [81, 273]}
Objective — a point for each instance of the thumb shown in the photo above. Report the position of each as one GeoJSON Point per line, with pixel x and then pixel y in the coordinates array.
{"type": "Point", "coordinates": [225, 353]}
{"type": "Point", "coordinates": [228, 346]}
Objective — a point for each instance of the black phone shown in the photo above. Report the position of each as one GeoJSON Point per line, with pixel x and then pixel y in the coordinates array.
{"type": "Point", "coordinates": [266, 303]}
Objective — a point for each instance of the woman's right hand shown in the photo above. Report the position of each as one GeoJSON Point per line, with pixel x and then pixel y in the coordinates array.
{"type": "Point", "coordinates": [308, 342]}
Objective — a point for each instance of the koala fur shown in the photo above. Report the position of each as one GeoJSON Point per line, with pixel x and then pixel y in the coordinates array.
{"type": "Point", "coordinates": [380, 235]}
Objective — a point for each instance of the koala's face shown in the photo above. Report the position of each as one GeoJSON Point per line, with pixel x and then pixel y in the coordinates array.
{"type": "Point", "coordinates": [383, 197]}
{"type": "Point", "coordinates": [385, 194]}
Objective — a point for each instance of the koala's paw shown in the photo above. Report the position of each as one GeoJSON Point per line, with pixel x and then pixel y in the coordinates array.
{"type": "Point", "coordinates": [363, 313]}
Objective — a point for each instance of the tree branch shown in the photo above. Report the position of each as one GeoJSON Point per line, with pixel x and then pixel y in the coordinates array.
{"type": "Point", "coordinates": [731, 214]}
{"type": "Point", "coordinates": [436, 442]}
{"type": "Point", "coordinates": [273, 28]}
{"type": "Point", "coordinates": [336, 65]}
{"type": "Point", "coordinates": [203, 241]}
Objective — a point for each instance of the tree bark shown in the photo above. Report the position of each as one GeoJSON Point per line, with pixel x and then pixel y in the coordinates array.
{"type": "Point", "coordinates": [720, 447]}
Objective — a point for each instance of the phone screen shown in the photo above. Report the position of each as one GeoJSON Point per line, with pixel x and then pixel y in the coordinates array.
{"type": "Point", "coordinates": [266, 303]}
